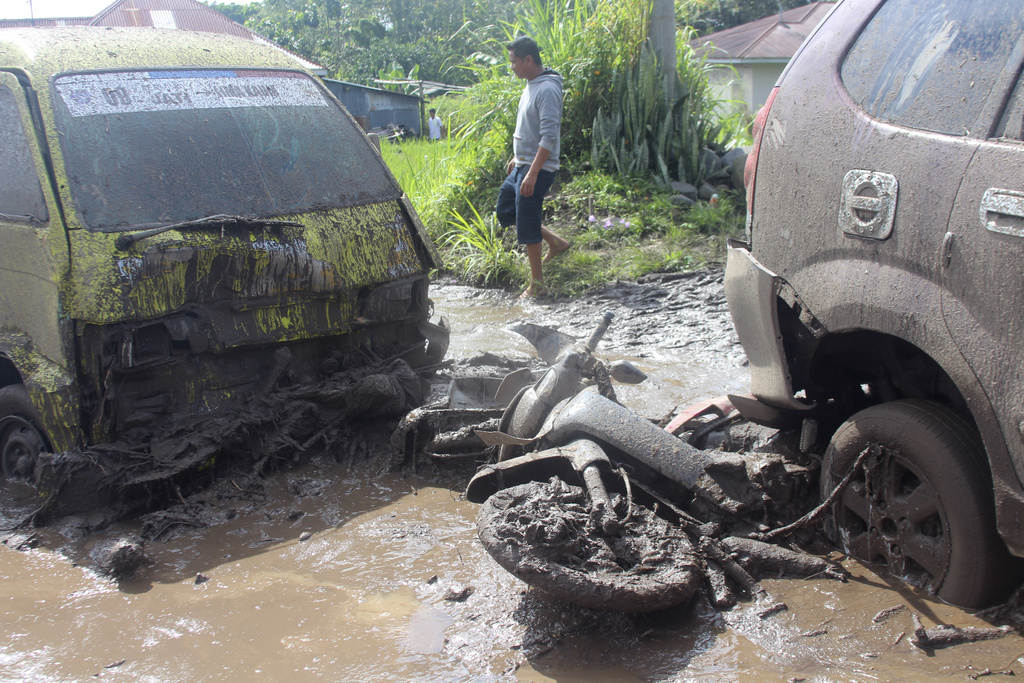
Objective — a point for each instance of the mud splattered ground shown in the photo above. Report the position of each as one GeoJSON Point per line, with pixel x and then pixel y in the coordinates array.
{"type": "Point", "coordinates": [346, 572]}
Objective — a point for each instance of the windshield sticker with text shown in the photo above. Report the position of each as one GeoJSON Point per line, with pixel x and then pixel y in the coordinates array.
{"type": "Point", "coordinates": [132, 92]}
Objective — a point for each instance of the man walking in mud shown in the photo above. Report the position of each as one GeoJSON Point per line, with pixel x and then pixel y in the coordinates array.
{"type": "Point", "coordinates": [535, 148]}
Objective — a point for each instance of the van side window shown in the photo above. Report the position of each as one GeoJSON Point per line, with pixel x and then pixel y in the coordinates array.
{"type": "Point", "coordinates": [932, 65]}
{"type": "Point", "coordinates": [21, 197]}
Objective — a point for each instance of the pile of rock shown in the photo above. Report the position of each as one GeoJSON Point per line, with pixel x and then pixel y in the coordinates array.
{"type": "Point", "coordinates": [723, 171]}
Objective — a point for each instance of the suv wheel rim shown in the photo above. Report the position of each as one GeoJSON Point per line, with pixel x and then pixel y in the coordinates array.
{"type": "Point", "coordinates": [891, 514]}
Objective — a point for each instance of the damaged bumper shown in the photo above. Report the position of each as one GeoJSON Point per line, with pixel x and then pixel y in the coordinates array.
{"type": "Point", "coordinates": [210, 356]}
{"type": "Point", "coordinates": [752, 293]}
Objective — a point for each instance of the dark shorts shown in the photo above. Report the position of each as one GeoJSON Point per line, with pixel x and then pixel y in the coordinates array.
{"type": "Point", "coordinates": [523, 212]}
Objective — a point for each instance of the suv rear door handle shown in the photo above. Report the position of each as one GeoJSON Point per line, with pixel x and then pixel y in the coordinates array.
{"type": "Point", "coordinates": [1007, 205]}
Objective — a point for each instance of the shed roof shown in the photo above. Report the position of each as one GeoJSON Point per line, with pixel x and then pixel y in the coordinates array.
{"type": "Point", "coordinates": [773, 38]}
{"type": "Point", "coordinates": [170, 14]}
{"type": "Point", "coordinates": [379, 91]}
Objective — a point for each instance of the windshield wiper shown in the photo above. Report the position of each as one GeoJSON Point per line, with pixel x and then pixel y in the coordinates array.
{"type": "Point", "coordinates": [15, 217]}
{"type": "Point", "coordinates": [220, 219]}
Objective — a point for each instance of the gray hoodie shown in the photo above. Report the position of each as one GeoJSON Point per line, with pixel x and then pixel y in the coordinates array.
{"type": "Point", "coordinates": [539, 122]}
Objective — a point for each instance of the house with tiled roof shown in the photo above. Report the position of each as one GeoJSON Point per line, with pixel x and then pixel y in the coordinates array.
{"type": "Point", "coordinates": [751, 57]}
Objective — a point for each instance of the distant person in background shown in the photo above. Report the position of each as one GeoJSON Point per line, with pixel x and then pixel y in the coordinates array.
{"type": "Point", "coordinates": [434, 126]}
{"type": "Point", "coordinates": [535, 148]}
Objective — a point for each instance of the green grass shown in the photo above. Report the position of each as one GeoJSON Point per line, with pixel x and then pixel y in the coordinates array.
{"type": "Point", "coordinates": [621, 227]}
{"type": "Point", "coordinates": [480, 251]}
{"type": "Point", "coordinates": [422, 168]}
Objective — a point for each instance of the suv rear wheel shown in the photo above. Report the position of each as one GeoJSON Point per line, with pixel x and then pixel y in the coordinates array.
{"type": "Point", "coordinates": [921, 503]}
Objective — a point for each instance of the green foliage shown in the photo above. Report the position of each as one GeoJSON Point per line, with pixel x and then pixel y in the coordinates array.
{"type": "Point", "coordinates": [419, 166]}
{"type": "Point", "coordinates": [611, 206]}
{"type": "Point", "coordinates": [577, 270]}
{"type": "Point", "coordinates": [587, 42]}
{"type": "Point", "coordinates": [713, 219]}
{"type": "Point", "coordinates": [621, 226]}
{"type": "Point", "coordinates": [708, 16]}
{"type": "Point", "coordinates": [642, 132]}
{"type": "Point", "coordinates": [584, 41]}
{"type": "Point", "coordinates": [477, 249]}
{"type": "Point", "coordinates": [623, 139]}
{"type": "Point", "coordinates": [237, 13]}
{"type": "Point", "coordinates": [395, 73]}
{"type": "Point", "coordinates": [357, 39]}
{"type": "Point", "coordinates": [440, 177]}
{"type": "Point", "coordinates": [734, 124]}
{"type": "Point", "coordinates": [489, 107]}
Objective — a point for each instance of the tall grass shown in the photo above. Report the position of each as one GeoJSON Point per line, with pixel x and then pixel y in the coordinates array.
{"type": "Point", "coordinates": [436, 177]}
{"type": "Point", "coordinates": [440, 177]}
{"type": "Point", "coordinates": [480, 250]}
{"type": "Point", "coordinates": [420, 167]}
{"type": "Point", "coordinates": [585, 41]}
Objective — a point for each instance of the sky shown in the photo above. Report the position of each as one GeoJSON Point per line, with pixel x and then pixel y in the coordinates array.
{"type": "Point", "coordinates": [19, 9]}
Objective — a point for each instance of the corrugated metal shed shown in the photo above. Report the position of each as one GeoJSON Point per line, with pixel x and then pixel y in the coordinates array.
{"type": "Point", "coordinates": [773, 38]}
{"type": "Point", "coordinates": [375, 108]}
{"type": "Point", "coordinates": [171, 14]}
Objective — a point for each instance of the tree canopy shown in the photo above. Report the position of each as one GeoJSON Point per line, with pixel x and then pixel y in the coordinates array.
{"type": "Point", "coordinates": [358, 39]}
{"type": "Point", "coordinates": [708, 16]}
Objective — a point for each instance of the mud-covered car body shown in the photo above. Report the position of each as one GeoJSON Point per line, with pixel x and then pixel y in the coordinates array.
{"type": "Point", "coordinates": [176, 208]}
{"type": "Point", "coordinates": [885, 225]}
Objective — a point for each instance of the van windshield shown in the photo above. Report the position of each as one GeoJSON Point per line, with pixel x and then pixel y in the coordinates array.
{"type": "Point", "coordinates": [149, 148]}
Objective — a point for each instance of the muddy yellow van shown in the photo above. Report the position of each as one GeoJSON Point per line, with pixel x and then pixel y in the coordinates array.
{"type": "Point", "coordinates": [175, 209]}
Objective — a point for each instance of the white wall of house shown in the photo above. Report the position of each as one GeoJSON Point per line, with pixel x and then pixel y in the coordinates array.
{"type": "Point", "coordinates": [746, 83]}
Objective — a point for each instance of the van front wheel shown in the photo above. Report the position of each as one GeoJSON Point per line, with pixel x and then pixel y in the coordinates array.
{"type": "Point", "coordinates": [21, 438]}
{"type": "Point", "coordinates": [921, 503]}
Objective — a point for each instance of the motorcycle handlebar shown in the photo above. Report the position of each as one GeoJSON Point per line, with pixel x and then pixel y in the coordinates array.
{"type": "Point", "coordinates": [599, 331]}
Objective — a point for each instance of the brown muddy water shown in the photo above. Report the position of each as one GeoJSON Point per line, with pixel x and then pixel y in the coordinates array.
{"type": "Point", "coordinates": [343, 573]}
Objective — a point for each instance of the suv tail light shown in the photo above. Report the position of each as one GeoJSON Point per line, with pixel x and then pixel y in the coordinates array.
{"type": "Point", "coordinates": [750, 169]}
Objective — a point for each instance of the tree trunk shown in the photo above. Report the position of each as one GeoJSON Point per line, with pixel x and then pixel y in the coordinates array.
{"type": "Point", "coordinates": [663, 37]}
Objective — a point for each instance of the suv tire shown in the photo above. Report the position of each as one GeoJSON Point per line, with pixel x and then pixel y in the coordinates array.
{"type": "Point", "coordinates": [931, 464]}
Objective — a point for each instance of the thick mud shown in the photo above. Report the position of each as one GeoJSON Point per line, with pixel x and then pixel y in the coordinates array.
{"type": "Point", "coordinates": [342, 569]}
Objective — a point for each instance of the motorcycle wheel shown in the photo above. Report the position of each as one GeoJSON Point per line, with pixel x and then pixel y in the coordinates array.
{"type": "Point", "coordinates": [541, 533]}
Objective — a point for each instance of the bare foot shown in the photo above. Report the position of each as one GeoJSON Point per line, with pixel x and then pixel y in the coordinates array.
{"type": "Point", "coordinates": [532, 292]}
{"type": "Point", "coordinates": [556, 250]}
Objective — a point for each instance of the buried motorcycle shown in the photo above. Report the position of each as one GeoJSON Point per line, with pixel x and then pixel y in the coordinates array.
{"type": "Point", "coordinates": [593, 503]}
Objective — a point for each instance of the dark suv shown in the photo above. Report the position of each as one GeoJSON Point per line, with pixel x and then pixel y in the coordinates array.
{"type": "Point", "coordinates": [880, 292]}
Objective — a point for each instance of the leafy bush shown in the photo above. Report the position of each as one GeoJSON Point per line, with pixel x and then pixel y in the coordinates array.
{"type": "Point", "coordinates": [641, 132]}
